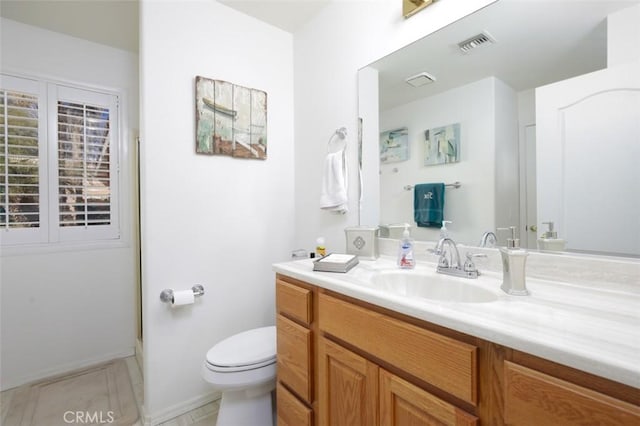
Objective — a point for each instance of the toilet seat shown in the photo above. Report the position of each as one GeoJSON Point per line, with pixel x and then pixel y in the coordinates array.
{"type": "Point", "coordinates": [233, 369]}
{"type": "Point", "coordinates": [243, 367]}
{"type": "Point", "coordinates": [248, 350]}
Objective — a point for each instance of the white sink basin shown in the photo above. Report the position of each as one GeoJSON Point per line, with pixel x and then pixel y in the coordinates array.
{"type": "Point", "coordinates": [415, 284]}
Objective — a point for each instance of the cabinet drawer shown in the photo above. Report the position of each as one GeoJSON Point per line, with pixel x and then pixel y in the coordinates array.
{"type": "Point", "coordinates": [290, 411]}
{"type": "Point", "coordinates": [294, 357]}
{"type": "Point", "coordinates": [444, 362]}
{"type": "Point", "coordinates": [534, 398]}
{"type": "Point", "coordinates": [294, 301]}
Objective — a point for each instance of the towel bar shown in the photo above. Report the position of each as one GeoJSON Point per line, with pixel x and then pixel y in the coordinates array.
{"type": "Point", "coordinates": [454, 184]}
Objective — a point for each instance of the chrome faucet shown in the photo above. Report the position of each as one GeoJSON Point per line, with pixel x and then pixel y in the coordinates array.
{"type": "Point", "coordinates": [441, 250]}
{"type": "Point", "coordinates": [489, 239]}
{"type": "Point", "coordinates": [451, 264]}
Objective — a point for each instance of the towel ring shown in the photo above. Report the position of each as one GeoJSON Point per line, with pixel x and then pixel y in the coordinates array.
{"type": "Point", "coordinates": [341, 134]}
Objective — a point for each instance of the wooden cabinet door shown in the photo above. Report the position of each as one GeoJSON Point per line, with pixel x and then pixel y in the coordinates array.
{"type": "Point", "coordinates": [402, 403]}
{"type": "Point", "coordinates": [348, 387]}
{"type": "Point", "coordinates": [532, 398]}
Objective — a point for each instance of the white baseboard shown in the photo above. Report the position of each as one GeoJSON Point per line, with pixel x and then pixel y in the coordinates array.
{"type": "Point", "coordinates": [179, 409]}
{"type": "Point", "coordinates": [64, 369]}
{"type": "Point", "coordinates": [176, 410]}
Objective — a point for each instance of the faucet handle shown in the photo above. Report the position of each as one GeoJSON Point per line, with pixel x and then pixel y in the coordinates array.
{"type": "Point", "coordinates": [472, 255]}
{"type": "Point", "coordinates": [443, 262]}
{"type": "Point", "coordinates": [437, 251]}
{"type": "Point", "coordinates": [469, 266]}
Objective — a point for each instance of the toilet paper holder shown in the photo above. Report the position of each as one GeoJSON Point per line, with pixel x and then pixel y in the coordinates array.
{"type": "Point", "coordinates": [167, 295]}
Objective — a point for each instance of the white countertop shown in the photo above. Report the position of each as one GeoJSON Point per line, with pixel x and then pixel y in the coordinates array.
{"type": "Point", "coordinates": [591, 329]}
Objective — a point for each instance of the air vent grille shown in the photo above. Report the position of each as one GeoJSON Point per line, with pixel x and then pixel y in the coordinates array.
{"type": "Point", "coordinates": [476, 41]}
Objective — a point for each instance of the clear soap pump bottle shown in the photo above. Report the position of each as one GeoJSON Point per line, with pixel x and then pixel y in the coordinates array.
{"type": "Point", "coordinates": [406, 260]}
{"type": "Point", "coordinates": [444, 232]}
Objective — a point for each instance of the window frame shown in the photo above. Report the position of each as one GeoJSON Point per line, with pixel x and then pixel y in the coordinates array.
{"type": "Point", "coordinates": [50, 234]}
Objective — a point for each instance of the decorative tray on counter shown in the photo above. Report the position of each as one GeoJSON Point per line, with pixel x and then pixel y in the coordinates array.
{"type": "Point", "coordinates": [334, 262]}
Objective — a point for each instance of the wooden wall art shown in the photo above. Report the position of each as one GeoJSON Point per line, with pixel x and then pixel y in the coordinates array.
{"type": "Point", "coordinates": [230, 119]}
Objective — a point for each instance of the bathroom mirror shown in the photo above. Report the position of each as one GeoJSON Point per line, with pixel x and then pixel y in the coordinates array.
{"type": "Point", "coordinates": [520, 163]}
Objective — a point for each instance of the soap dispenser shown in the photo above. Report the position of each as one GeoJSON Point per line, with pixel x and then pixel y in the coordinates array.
{"type": "Point", "coordinates": [549, 240]}
{"type": "Point", "coordinates": [406, 260]}
{"type": "Point", "coordinates": [513, 265]}
{"type": "Point", "coordinates": [444, 232]}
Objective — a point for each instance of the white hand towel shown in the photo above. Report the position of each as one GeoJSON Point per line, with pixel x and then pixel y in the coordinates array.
{"type": "Point", "coordinates": [333, 196]}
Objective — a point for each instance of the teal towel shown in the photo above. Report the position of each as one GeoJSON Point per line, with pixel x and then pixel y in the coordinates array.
{"type": "Point", "coordinates": [428, 204]}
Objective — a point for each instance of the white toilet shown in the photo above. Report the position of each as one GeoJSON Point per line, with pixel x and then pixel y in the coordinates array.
{"type": "Point", "coordinates": [243, 368]}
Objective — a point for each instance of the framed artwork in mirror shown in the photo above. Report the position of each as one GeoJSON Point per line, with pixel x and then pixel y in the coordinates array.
{"type": "Point", "coordinates": [394, 145]}
{"type": "Point", "coordinates": [411, 7]}
{"type": "Point", "coordinates": [230, 119]}
{"type": "Point", "coordinates": [442, 145]}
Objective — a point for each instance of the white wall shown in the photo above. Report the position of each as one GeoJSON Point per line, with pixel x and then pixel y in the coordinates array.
{"type": "Point", "coordinates": [62, 309]}
{"type": "Point", "coordinates": [623, 35]}
{"type": "Point", "coordinates": [527, 153]}
{"type": "Point", "coordinates": [507, 167]}
{"type": "Point", "coordinates": [473, 106]}
{"type": "Point", "coordinates": [213, 220]}
{"type": "Point", "coordinates": [344, 37]}
{"type": "Point", "coordinates": [369, 112]}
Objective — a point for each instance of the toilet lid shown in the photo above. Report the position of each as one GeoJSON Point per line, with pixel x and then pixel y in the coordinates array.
{"type": "Point", "coordinates": [257, 346]}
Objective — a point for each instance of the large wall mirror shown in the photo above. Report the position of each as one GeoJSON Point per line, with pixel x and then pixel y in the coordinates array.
{"type": "Point", "coordinates": [542, 108]}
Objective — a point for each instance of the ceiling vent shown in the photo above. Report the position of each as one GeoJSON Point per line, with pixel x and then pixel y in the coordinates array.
{"type": "Point", "coordinates": [420, 79]}
{"type": "Point", "coordinates": [476, 41]}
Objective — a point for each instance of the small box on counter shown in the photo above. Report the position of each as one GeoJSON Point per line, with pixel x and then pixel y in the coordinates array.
{"type": "Point", "coordinates": [362, 241]}
{"type": "Point", "coordinates": [393, 230]}
{"type": "Point", "coordinates": [334, 262]}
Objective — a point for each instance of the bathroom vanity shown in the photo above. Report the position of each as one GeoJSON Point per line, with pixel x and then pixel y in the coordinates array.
{"type": "Point", "coordinates": [352, 352]}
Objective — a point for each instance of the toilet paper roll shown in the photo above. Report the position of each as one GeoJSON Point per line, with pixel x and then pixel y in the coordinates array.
{"type": "Point", "coordinates": [184, 297]}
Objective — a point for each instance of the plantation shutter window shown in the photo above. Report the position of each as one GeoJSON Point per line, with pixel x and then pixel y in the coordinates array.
{"type": "Point", "coordinates": [59, 175]}
{"type": "Point", "coordinates": [83, 165]}
{"type": "Point", "coordinates": [86, 163]}
{"type": "Point", "coordinates": [19, 145]}
{"type": "Point", "coordinates": [22, 186]}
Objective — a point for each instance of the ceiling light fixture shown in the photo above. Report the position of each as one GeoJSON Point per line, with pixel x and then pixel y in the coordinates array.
{"type": "Point", "coordinates": [420, 79]}
{"type": "Point", "coordinates": [411, 7]}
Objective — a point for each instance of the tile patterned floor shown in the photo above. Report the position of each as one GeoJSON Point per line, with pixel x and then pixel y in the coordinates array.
{"type": "Point", "coordinates": [203, 416]}
{"type": "Point", "coordinates": [100, 394]}
{"type": "Point", "coordinates": [115, 387]}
